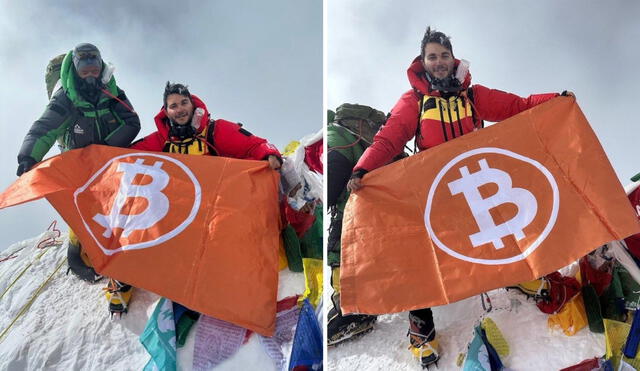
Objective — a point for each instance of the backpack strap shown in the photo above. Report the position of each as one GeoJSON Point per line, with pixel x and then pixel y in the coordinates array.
{"type": "Point", "coordinates": [469, 96]}
{"type": "Point", "coordinates": [415, 140]}
{"type": "Point", "coordinates": [209, 138]}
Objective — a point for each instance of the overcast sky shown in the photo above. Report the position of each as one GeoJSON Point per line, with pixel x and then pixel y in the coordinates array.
{"type": "Point", "coordinates": [260, 62]}
{"type": "Point", "coordinates": [524, 47]}
{"type": "Point", "coordinates": [254, 62]}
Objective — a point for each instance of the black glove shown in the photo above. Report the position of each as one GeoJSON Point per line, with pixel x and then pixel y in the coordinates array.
{"type": "Point", "coordinates": [25, 164]}
{"type": "Point", "coordinates": [358, 173]}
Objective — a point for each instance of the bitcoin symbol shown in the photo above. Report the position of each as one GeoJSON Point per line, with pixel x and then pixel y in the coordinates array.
{"type": "Point", "coordinates": [490, 232]}
{"type": "Point", "coordinates": [157, 206]}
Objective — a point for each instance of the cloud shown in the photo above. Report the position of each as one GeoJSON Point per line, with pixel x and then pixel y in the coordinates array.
{"type": "Point", "coordinates": [259, 63]}
{"type": "Point", "coordinates": [587, 47]}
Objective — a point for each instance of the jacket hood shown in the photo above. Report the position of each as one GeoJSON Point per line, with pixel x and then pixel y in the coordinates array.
{"type": "Point", "coordinates": [418, 80]}
{"type": "Point", "coordinates": [162, 121]}
{"type": "Point", "coordinates": [68, 79]}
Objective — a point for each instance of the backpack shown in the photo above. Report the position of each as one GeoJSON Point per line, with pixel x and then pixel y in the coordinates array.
{"type": "Point", "coordinates": [52, 75]}
{"type": "Point", "coordinates": [361, 120]}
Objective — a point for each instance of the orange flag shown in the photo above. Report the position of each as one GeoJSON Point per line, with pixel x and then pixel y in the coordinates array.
{"type": "Point", "coordinates": [201, 231]}
{"type": "Point", "coordinates": [493, 208]}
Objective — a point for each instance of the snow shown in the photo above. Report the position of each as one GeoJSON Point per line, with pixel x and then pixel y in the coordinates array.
{"type": "Point", "coordinates": [532, 344]}
{"type": "Point", "coordinates": [68, 327]}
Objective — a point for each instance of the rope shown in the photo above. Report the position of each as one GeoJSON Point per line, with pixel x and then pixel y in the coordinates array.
{"type": "Point", "coordinates": [7, 258]}
{"type": "Point", "coordinates": [22, 273]}
{"type": "Point", "coordinates": [119, 100]}
{"type": "Point", "coordinates": [15, 252]}
{"type": "Point", "coordinates": [354, 143]}
{"type": "Point", "coordinates": [51, 241]}
{"type": "Point", "coordinates": [35, 295]}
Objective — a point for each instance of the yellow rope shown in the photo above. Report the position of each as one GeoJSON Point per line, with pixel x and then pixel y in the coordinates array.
{"type": "Point", "coordinates": [21, 273]}
{"type": "Point", "coordinates": [35, 295]}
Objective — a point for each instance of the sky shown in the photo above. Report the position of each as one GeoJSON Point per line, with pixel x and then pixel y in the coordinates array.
{"type": "Point", "coordinates": [523, 47]}
{"type": "Point", "coordinates": [254, 62]}
{"type": "Point", "coordinates": [260, 63]}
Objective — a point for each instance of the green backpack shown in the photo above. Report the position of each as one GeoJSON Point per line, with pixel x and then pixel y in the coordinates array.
{"type": "Point", "coordinates": [52, 75]}
{"type": "Point", "coordinates": [361, 120]}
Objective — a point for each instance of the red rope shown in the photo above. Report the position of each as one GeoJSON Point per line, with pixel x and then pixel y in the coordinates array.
{"type": "Point", "coordinates": [7, 258]}
{"type": "Point", "coordinates": [352, 144]}
{"type": "Point", "coordinates": [50, 241]}
{"type": "Point", "coordinates": [118, 99]}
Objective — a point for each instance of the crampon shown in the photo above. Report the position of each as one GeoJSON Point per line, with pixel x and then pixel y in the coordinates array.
{"type": "Point", "coordinates": [118, 296]}
{"type": "Point", "coordinates": [425, 351]}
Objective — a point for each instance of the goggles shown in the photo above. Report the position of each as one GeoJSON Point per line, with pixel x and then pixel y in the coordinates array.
{"type": "Point", "coordinates": [87, 64]}
{"type": "Point", "coordinates": [86, 58]}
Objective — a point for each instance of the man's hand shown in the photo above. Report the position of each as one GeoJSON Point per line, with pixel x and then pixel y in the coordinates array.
{"type": "Point", "coordinates": [25, 165]}
{"type": "Point", "coordinates": [274, 162]}
{"type": "Point", "coordinates": [354, 184]}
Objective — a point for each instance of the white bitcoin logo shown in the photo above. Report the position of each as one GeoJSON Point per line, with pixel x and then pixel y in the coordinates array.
{"type": "Point", "coordinates": [157, 202]}
{"type": "Point", "coordinates": [489, 231]}
{"type": "Point", "coordinates": [137, 228]}
{"type": "Point", "coordinates": [468, 184]}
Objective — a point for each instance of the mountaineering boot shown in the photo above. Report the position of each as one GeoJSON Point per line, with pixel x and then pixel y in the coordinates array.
{"type": "Point", "coordinates": [118, 295]}
{"type": "Point", "coordinates": [342, 328]}
{"type": "Point", "coordinates": [537, 289]}
{"type": "Point", "coordinates": [79, 262]}
{"type": "Point", "coordinates": [422, 337]}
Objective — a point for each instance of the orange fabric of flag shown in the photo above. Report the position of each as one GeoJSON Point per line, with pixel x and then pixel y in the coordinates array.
{"type": "Point", "coordinates": [200, 230]}
{"type": "Point", "coordinates": [506, 204]}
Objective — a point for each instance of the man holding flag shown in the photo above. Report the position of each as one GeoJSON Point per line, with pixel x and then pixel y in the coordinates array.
{"type": "Point", "coordinates": [442, 105]}
{"type": "Point", "coordinates": [210, 225]}
{"type": "Point", "coordinates": [184, 126]}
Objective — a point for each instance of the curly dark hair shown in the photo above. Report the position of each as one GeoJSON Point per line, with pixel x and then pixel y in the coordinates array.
{"type": "Point", "coordinates": [433, 36]}
{"type": "Point", "coordinates": [175, 89]}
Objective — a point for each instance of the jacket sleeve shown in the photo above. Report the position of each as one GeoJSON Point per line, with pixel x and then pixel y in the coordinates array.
{"type": "Point", "coordinates": [51, 125]}
{"type": "Point", "coordinates": [390, 140]}
{"type": "Point", "coordinates": [124, 134]}
{"type": "Point", "coordinates": [152, 142]}
{"type": "Point", "coordinates": [231, 140]}
{"type": "Point", "coordinates": [338, 177]}
{"type": "Point", "coordinates": [496, 105]}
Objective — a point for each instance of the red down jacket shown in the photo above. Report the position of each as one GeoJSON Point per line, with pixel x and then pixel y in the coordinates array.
{"type": "Point", "coordinates": [229, 139]}
{"type": "Point", "coordinates": [441, 118]}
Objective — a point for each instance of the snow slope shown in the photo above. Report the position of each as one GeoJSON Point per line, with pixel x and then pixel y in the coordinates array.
{"type": "Point", "coordinates": [68, 327]}
{"type": "Point", "coordinates": [533, 345]}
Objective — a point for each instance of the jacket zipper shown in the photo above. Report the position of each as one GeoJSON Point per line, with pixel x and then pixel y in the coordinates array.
{"type": "Point", "coordinates": [97, 126]}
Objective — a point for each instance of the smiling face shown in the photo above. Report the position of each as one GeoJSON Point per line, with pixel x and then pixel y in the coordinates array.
{"type": "Point", "coordinates": [438, 60]}
{"type": "Point", "coordinates": [179, 109]}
